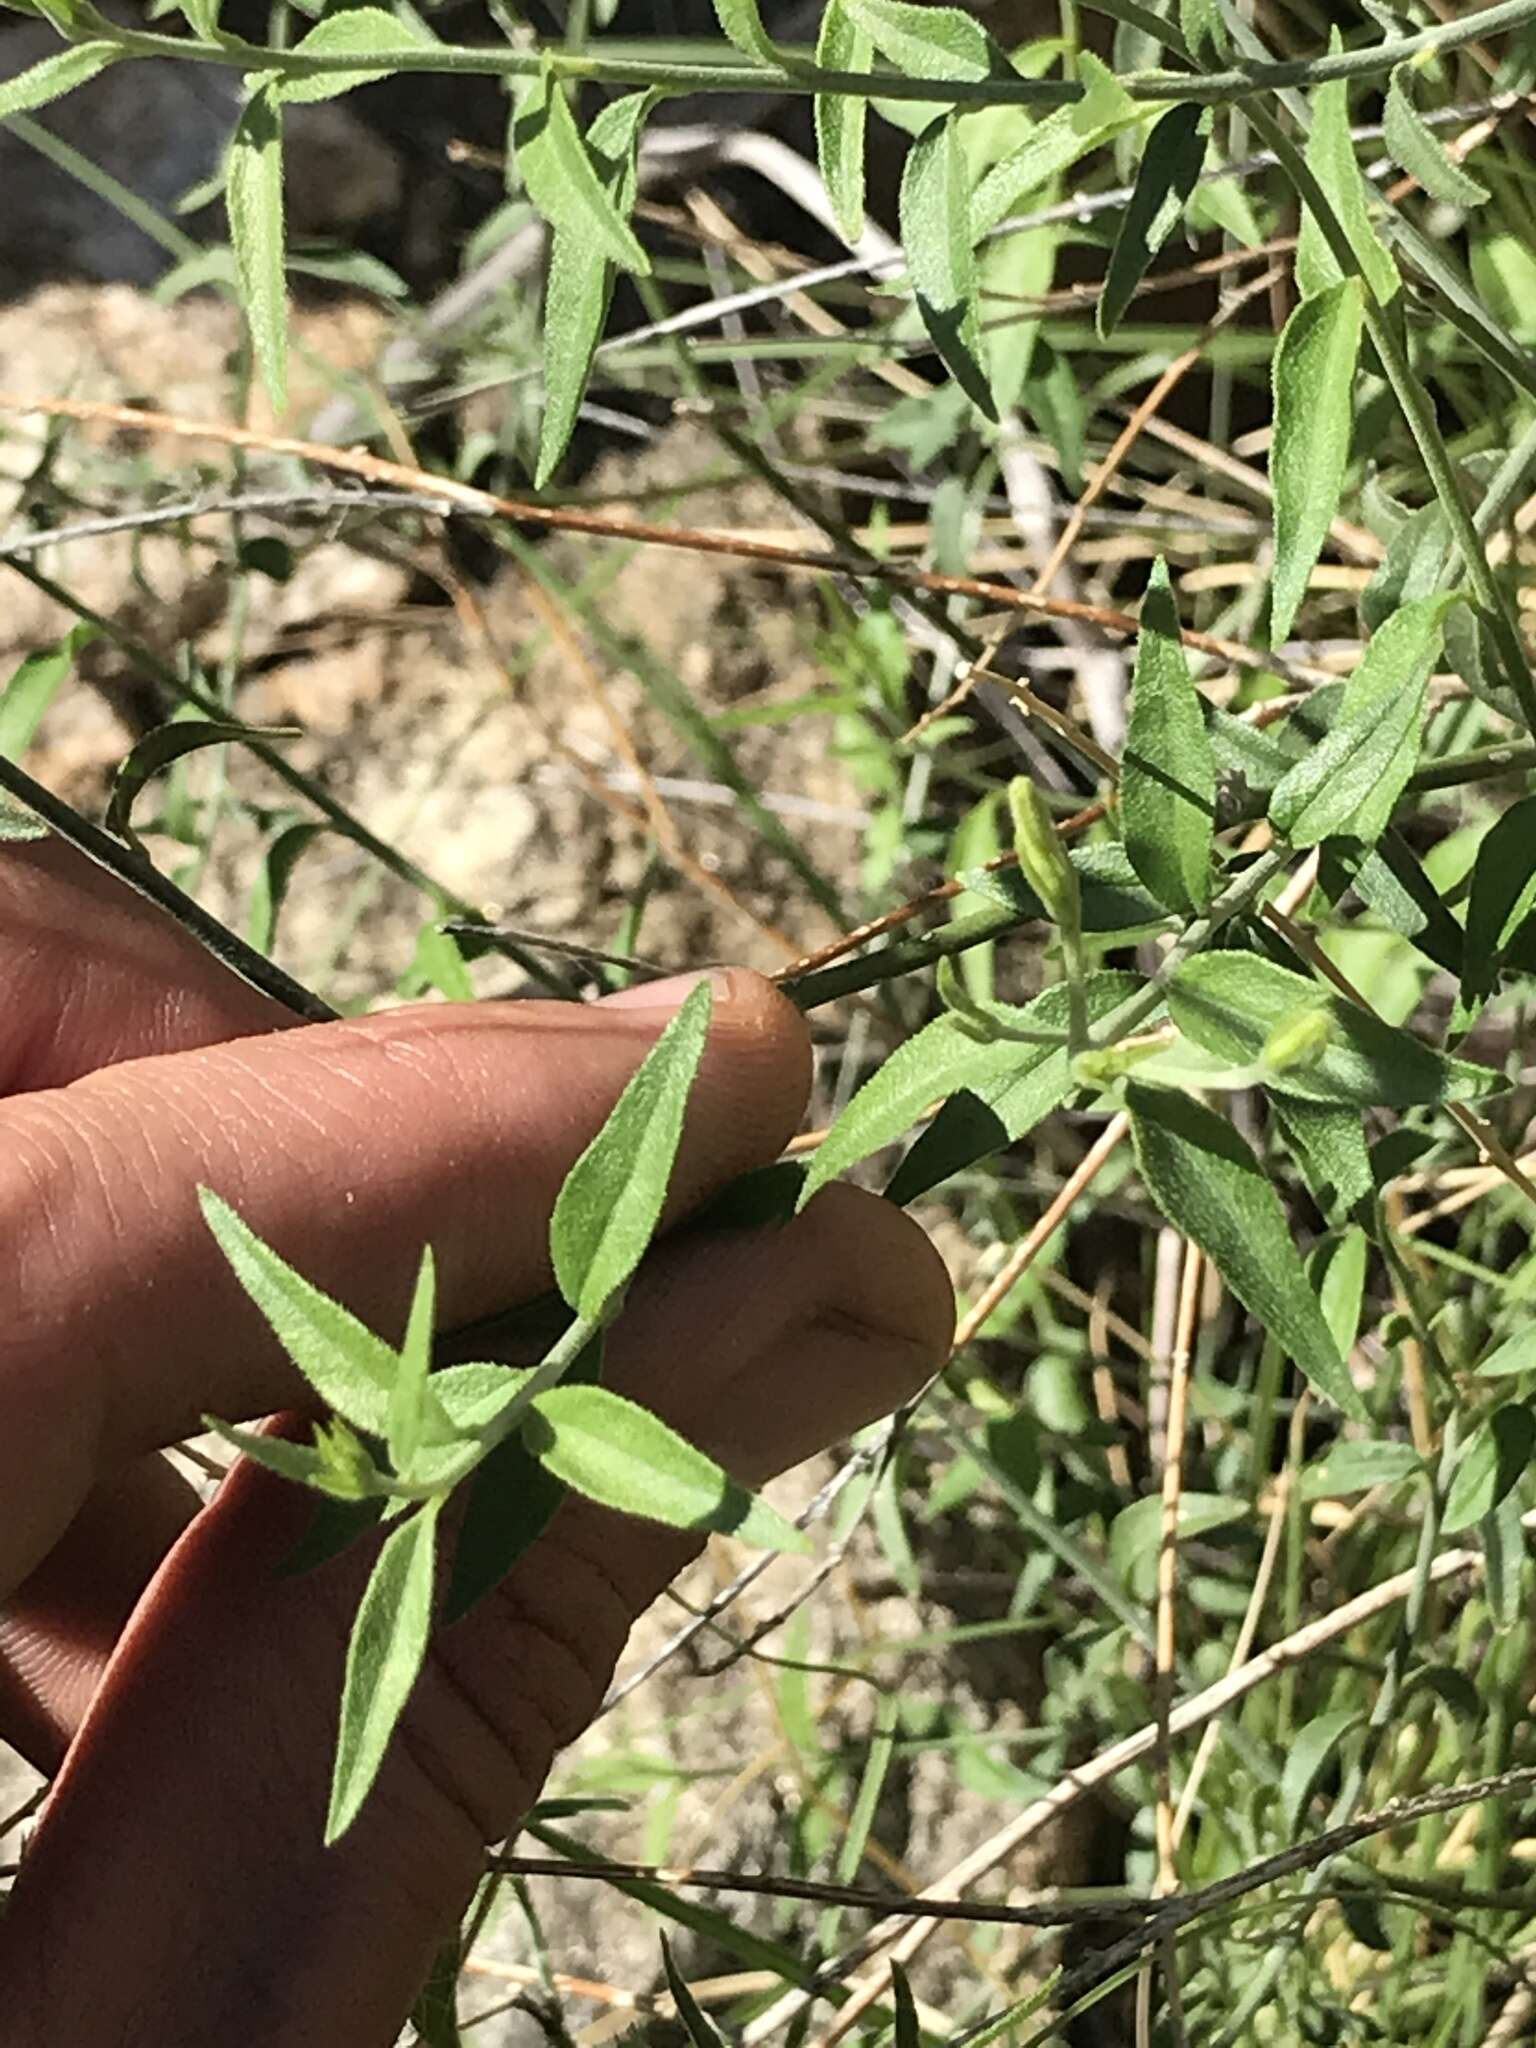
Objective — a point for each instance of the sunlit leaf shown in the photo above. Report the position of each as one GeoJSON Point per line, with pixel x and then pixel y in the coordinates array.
{"type": "Point", "coordinates": [928, 42]}
{"type": "Point", "coordinates": [53, 77]}
{"type": "Point", "coordinates": [1332, 161]}
{"type": "Point", "coordinates": [563, 179]}
{"type": "Point", "coordinates": [253, 194]}
{"type": "Point", "coordinates": [357, 30]}
{"type": "Point", "coordinates": [34, 685]}
{"type": "Point", "coordinates": [842, 118]}
{"type": "Point", "coordinates": [1168, 775]}
{"type": "Point", "coordinates": [1422, 154]}
{"type": "Point", "coordinates": [1314, 385]}
{"type": "Point", "coordinates": [936, 233]}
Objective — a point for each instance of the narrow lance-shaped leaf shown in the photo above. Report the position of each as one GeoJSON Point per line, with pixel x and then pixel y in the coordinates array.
{"type": "Point", "coordinates": [842, 118]}
{"type": "Point", "coordinates": [1422, 154]}
{"type": "Point", "coordinates": [1349, 783]}
{"type": "Point", "coordinates": [1203, 29]}
{"type": "Point", "coordinates": [168, 743]}
{"type": "Point", "coordinates": [351, 1369]}
{"type": "Point", "coordinates": [1503, 896]}
{"type": "Point", "coordinates": [253, 194]}
{"type": "Point", "coordinates": [611, 1202]}
{"type": "Point", "coordinates": [1010, 1084]}
{"type": "Point", "coordinates": [1168, 773]}
{"type": "Point", "coordinates": [1311, 1752]}
{"type": "Point", "coordinates": [742, 22]}
{"type": "Point", "coordinates": [936, 233]}
{"type": "Point", "coordinates": [1314, 389]}
{"type": "Point", "coordinates": [699, 2028]}
{"type": "Point", "coordinates": [1502, 1535]}
{"type": "Point", "coordinates": [579, 288]}
{"type": "Point", "coordinates": [1331, 160]}
{"type": "Point", "coordinates": [1167, 174]}
{"type": "Point", "coordinates": [929, 42]}
{"type": "Point", "coordinates": [36, 682]}
{"type": "Point", "coordinates": [624, 1457]}
{"type": "Point", "coordinates": [409, 1400]}
{"type": "Point", "coordinates": [1207, 1182]}
{"type": "Point", "coordinates": [1053, 145]}
{"type": "Point", "coordinates": [55, 76]}
{"type": "Point", "coordinates": [384, 1658]}
{"type": "Point", "coordinates": [563, 180]}
{"type": "Point", "coordinates": [360, 31]}
{"type": "Point", "coordinates": [1491, 1465]}
{"type": "Point", "coordinates": [1235, 1005]}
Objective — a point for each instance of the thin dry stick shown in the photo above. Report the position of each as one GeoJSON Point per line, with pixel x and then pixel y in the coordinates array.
{"type": "Point", "coordinates": [1104, 1398]}
{"type": "Point", "coordinates": [1024, 1255]}
{"type": "Point", "coordinates": [1168, 1557]}
{"type": "Point", "coordinates": [904, 1934]}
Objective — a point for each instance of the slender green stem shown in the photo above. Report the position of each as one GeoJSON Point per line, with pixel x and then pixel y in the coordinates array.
{"type": "Point", "coordinates": [617, 66]}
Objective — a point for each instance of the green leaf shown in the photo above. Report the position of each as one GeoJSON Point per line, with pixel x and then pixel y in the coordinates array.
{"type": "Point", "coordinates": [929, 42]}
{"type": "Point", "coordinates": [1012, 1084]}
{"type": "Point", "coordinates": [55, 76]}
{"type": "Point", "coordinates": [1337, 1269]}
{"type": "Point", "coordinates": [1207, 1182]}
{"type": "Point", "coordinates": [1312, 1750]}
{"type": "Point", "coordinates": [1502, 897]}
{"type": "Point", "coordinates": [409, 1403]}
{"type": "Point", "coordinates": [1233, 1004]}
{"type": "Point", "coordinates": [609, 1207]}
{"type": "Point", "coordinates": [579, 287]}
{"type": "Point", "coordinates": [1331, 159]}
{"type": "Point", "coordinates": [253, 194]}
{"type": "Point", "coordinates": [1413, 566]}
{"type": "Point", "coordinates": [1502, 1535]}
{"type": "Point", "coordinates": [351, 1369]}
{"type": "Point", "coordinates": [1491, 1463]}
{"type": "Point", "coordinates": [384, 1658]}
{"type": "Point", "coordinates": [359, 30]}
{"type": "Point", "coordinates": [1203, 29]}
{"type": "Point", "coordinates": [1168, 774]}
{"type": "Point", "coordinates": [1135, 1535]}
{"type": "Point", "coordinates": [269, 890]}
{"type": "Point", "coordinates": [1349, 783]}
{"type": "Point", "coordinates": [698, 2028]}
{"type": "Point", "coordinates": [1516, 1354]}
{"type": "Point", "coordinates": [743, 25]}
{"type": "Point", "coordinates": [624, 1457]}
{"type": "Point", "coordinates": [1167, 174]}
{"type": "Point", "coordinates": [1055, 144]}
{"type": "Point", "coordinates": [936, 233]}
{"type": "Point", "coordinates": [1314, 386]}
{"type": "Point", "coordinates": [564, 180]}
{"type": "Point", "coordinates": [18, 826]}
{"type": "Point", "coordinates": [1354, 1466]}
{"type": "Point", "coordinates": [303, 1464]}
{"type": "Point", "coordinates": [907, 2033]}
{"type": "Point", "coordinates": [168, 743]}
{"type": "Point", "coordinates": [1421, 153]}
{"type": "Point", "coordinates": [842, 118]}
{"type": "Point", "coordinates": [1330, 1149]}
{"type": "Point", "coordinates": [1112, 898]}
{"type": "Point", "coordinates": [34, 686]}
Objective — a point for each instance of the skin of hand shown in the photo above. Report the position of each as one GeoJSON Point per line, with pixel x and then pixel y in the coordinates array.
{"type": "Point", "coordinates": [185, 1690]}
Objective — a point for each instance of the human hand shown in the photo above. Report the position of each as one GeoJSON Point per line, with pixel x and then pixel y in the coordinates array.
{"type": "Point", "coordinates": [176, 1891]}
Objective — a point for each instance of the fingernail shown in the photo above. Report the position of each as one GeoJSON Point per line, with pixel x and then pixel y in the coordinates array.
{"type": "Point", "coordinates": [663, 997]}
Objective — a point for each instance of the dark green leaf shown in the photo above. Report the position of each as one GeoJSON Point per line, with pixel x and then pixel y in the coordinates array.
{"type": "Point", "coordinates": [1351, 781]}
{"type": "Point", "coordinates": [269, 891]}
{"type": "Point", "coordinates": [1495, 1456]}
{"type": "Point", "coordinates": [1314, 398]}
{"type": "Point", "coordinates": [1208, 1184]}
{"type": "Point", "coordinates": [698, 2028]}
{"type": "Point", "coordinates": [253, 194]}
{"type": "Point", "coordinates": [611, 1202]}
{"type": "Point", "coordinates": [1503, 895]}
{"type": "Point", "coordinates": [908, 2034]}
{"type": "Point", "coordinates": [1168, 172]}
{"type": "Point", "coordinates": [564, 180]}
{"type": "Point", "coordinates": [1422, 154]}
{"type": "Point", "coordinates": [33, 688]}
{"type": "Point", "coordinates": [624, 1457]}
{"type": "Point", "coordinates": [334, 1526]}
{"type": "Point", "coordinates": [1168, 773]}
{"type": "Point", "coordinates": [1312, 1750]}
{"type": "Point", "coordinates": [54, 76]}
{"type": "Point", "coordinates": [929, 42]}
{"type": "Point", "coordinates": [1391, 879]}
{"type": "Point", "coordinates": [435, 2015]}
{"type": "Point", "coordinates": [842, 118]}
{"type": "Point", "coordinates": [384, 1657]}
{"type": "Point", "coordinates": [357, 30]}
{"type": "Point", "coordinates": [936, 232]}
{"type": "Point", "coordinates": [1329, 1145]}
{"type": "Point", "coordinates": [168, 743]}
{"type": "Point", "coordinates": [1234, 1003]}
{"type": "Point", "coordinates": [1014, 1085]}
{"type": "Point", "coordinates": [351, 1369]}
{"type": "Point", "coordinates": [1502, 1536]}
{"type": "Point", "coordinates": [1112, 898]}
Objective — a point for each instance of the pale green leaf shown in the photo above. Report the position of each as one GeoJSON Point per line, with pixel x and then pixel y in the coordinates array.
{"type": "Point", "coordinates": [1356, 1465]}
{"type": "Point", "coordinates": [384, 1659]}
{"type": "Point", "coordinates": [928, 42]}
{"type": "Point", "coordinates": [564, 180]}
{"type": "Point", "coordinates": [1053, 145]}
{"type": "Point", "coordinates": [1233, 1004]}
{"type": "Point", "coordinates": [1490, 1465]}
{"type": "Point", "coordinates": [936, 233]}
{"type": "Point", "coordinates": [410, 1404]}
{"type": "Point", "coordinates": [351, 1369]}
{"type": "Point", "coordinates": [253, 194]}
{"type": "Point", "coordinates": [1422, 154]}
{"type": "Point", "coordinates": [1203, 29]}
{"type": "Point", "coordinates": [742, 22]}
{"type": "Point", "coordinates": [1166, 176]}
{"type": "Point", "coordinates": [359, 31]}
{"type": "Point", "coordinates": [1135, 1535]}
{"type": "Point", "coordinates": [1516, 1354]}
{"type": "Point", "coordinates": [1207, 1182]}
{"type": "Point", "coordinates": [612, 1199]}
{"type": "Point", "coordinates": [52, 78]}
{"type": "Point", "coordinates": [1350, 781]}
{"type": "Point", "coordinates": [1168, 774]}
{"type": "Point", "coordinates": [1338, 1268]}
{"type": "Point", "coordinates": [1314, 395]}
{"type": "Point", "coordinates": [622, 1456]}
{"type": "Point", "coordinates": [1331, 160]}
{"type": "Point", "coordinates": [842, 118]}
{"type": "Point", "coordinates": [33, 687]}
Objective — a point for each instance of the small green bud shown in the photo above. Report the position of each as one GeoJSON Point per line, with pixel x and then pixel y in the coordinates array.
{"type": "Point", "coordinates": [1042, 856]}
{"type": "Point", "coordinates": [1108, 1064]}
{"type": "Point", "coordinates": [1298, 1041]}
